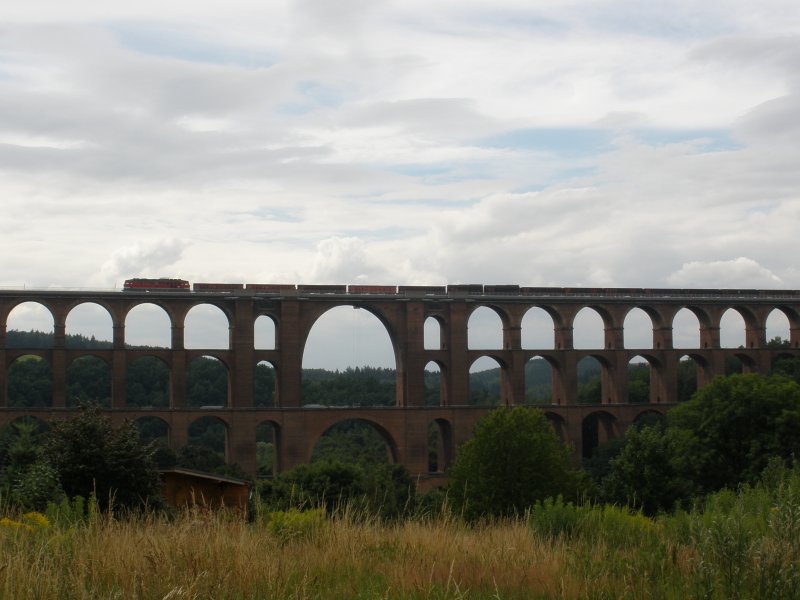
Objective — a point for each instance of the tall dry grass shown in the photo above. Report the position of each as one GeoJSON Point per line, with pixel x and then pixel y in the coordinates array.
{"type": "Point", "coordinates": [202, 556]}
{"type": "Point", "coordinates": [735, 545]}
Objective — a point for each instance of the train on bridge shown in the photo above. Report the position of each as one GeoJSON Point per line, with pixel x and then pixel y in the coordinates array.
{"type": "Point", "coordinates": [290, 289]}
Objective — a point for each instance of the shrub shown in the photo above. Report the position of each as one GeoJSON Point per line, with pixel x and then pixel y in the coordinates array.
{"type": "Point", "coordinates": [513, 460]}
{"type": "Point", "coordinates": [294, 523]}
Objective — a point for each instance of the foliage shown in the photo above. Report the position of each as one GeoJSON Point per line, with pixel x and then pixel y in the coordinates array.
{"type": "Point", "coordinates": [30, 382]}
{"type": "Point", "coordinates": [38, 486]}
{"type": "Point", "coordinates": [206, 383]}
{"type": "Point", "coordinates": [784, 364]}
{"type": "Point", "coordinates": [147, 382]}
{"type": "Point", "coordinates": [29, 339]}
{"type": "Point", "coordinates": [351, 441]}
{"type": "Point", "coordinates": [687, 379]}
{"type": "Point", "coordinates": [295, 523]}
{"type": "Point", "coordinates": [27, 481]}
{"type": "Point", "coordinates": [264, 392]}
{"type": "Point", "coordinates": [513, 459]}
{"type": "Point", "coordinates": [362, 386]}
{"type": "Point", "coordinates": [93, 457]}
{"type": "Point", "coordinates": [728, 431]}
{"type": "Point", "coordinates": [538, 381]}
{"type": "Point", "coordinates": [639, 383]}
{"type": "Point", "coordinates": [382, 490]}
{"type": "Point", "coordinates": [733, 545]}
{"type": "Point", "coordinates": [724, 436]}
{"type": "Point", "coordinates": [89, 380]}
{"type": "Point", "coordinates": [552, 517]}
{"type": "Point", "coordinates": [644, 474]}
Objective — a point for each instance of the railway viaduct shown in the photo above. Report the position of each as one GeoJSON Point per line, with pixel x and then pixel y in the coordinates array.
{"type": "Point", "coordinates": [404, 311]}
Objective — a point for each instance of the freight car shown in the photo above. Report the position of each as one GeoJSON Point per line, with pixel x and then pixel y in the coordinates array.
{"type": "Point", "coordinates": [271, 287]}
{"type": "Point", "coordinates": [218, 287]}
{"type": "Point", "coordinates": [372, 289]}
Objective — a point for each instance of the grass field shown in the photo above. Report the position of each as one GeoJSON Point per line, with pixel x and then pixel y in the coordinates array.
{"type": "Point", "coordinates": [737, 545]}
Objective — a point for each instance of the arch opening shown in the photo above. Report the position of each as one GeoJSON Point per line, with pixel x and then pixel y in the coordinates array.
{"type": "Point", "coordinates": [266, 449]}
{"type": "Point", "coordinates": [590, 380]}
{"type": "Point", "coordinates": [355, 441]}
{"type": "Point", "coordinates": [485, 382]}
{"type": "Point", "coordinates": [538, 381]}
{"type": "Point", "coordinates": [30, 325]}
{"type": "Point", "coordinates": [538, 330]}
{"type": "Point", "coordinates": [432, 334]}
{"type": "Point", "coordinates": [207, 445]}
{"type": "Point", "coordinates": [148, 325]}
{"type": "Point", "coordinates": [89, 380]}
{"type": "Point", "coordinates": [265, 384]}
{"type": "Point", "coordinates": [152, 430]}
{"type": "Point", "coordinates": [778, 328]}
{"type": "Point", "coordinates": [29, 382]}
{"type": "Point", "coordinates": [734, 365]}
{"type": "Point", "coordinates": [639, 380]}
{"type": "Point", "coordinates": [264, 333]}
{"type": "Point", "coordinates": [484, 330]}
{"type": "Point", "coordinates": [147, 382]}
{"type": "Point", "coordinates": [440, 445]}
{"type": "Point", "coordinates": [559, 425]}
{"type": "Point", "coordinates": [349, 360]}
{"type": "Point", "coordinates": [434, 394]}
{"type": "Point", "coordinates": [155, 432]}
{"type": "Point", "coordinates": [685, 329]}
{"type": "Point", "coordinates": [732, 329]}
{"type": "Point", "coordinates": [637, 329]}
{"type": "Point", "coordinates": [89, 325]}
{"type": "Point", "coordinates": [588, 329]}
{"type": "Point", "coordinates": [206, 327]}
{"type": "Point", "coordinates": [687, 378]}
{"type": "Point", "coordinates": [649, 418]}
{"type": "Point", "coordinates": [597, 429]}
{"type": "Point", "coordinates": [207, 383]}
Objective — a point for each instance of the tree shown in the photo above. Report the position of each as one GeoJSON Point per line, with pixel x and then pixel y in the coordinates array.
{"type": "Point", "coordinates": [729, 430]}
{"type": "Point", "coordinates": [513, 460]}
{"type": "Point", "coordinates": [91, 456]}
{"type": "Point", "coordinates": [644, 474]}
{"type": "Point", "coordinates": [20, 449]}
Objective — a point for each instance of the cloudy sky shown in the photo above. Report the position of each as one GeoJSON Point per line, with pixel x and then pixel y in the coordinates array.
{"type": "Point", "coordinates": [538, 142]}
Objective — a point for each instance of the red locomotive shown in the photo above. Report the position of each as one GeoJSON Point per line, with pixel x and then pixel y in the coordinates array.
{"type": "Point", "coordinates": [162, 283]}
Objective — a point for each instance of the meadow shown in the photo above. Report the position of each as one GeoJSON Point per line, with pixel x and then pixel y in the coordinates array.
{"type": "Point", "coordinates": [743, 544]}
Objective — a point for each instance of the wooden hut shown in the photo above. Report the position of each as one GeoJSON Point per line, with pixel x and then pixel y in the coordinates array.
{"type": "Point", "coordinates": [187, 487]}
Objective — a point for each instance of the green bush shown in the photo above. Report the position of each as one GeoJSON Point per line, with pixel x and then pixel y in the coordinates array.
{"type": "Point", "coordinates": [293, 523]}
{"type": "Point", "coordinates": [614, 525]}
{"type": "Point", "coordinates": [385, 491]}
{"type": "Point", "coordinates": [513, 460]}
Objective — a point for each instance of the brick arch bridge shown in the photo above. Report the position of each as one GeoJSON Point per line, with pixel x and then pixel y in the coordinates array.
{"type": "Point", "coordinates": [403, 311]}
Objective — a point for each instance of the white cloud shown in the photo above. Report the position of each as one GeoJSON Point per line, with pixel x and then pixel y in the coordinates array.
{"type": "Point", "coordinates": [740, 272]}
{"type": "Point", "coordinates": [154, 259]}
